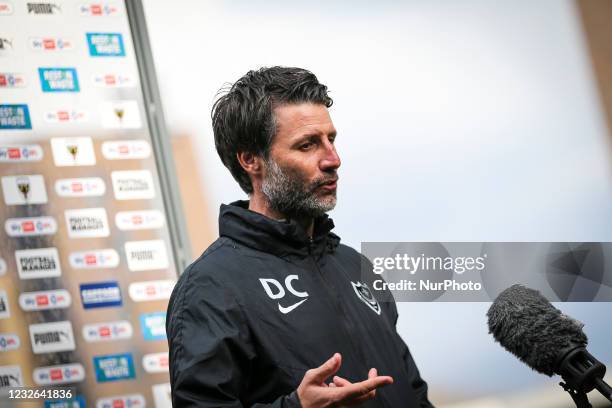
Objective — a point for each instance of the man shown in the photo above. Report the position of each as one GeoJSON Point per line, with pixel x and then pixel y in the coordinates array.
{"type": "Point", "coordinates": [252, 320]}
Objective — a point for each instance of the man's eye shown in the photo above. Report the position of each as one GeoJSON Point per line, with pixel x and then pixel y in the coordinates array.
{"type": "Point", "coordinates": [306, 146]}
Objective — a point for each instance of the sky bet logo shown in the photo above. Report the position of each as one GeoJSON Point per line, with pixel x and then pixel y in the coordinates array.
{"type": "Point", "coordinates": [66, 116]}
{"type": "Point", "coordinates": [98, 9]}
{"type": "Point", "coordinates": [151, 290]}
{"type": "Point", "coordinates": [126, 149]}
{"type": "Point", "coordinates": [31, 226]}
{"type": "Point", "coordinates": [156, 362]}
{"type": "Point", "coordinates": [24, 153]}
{"type": "Point", "coordinates": [11, 80]}
{"type": "Point", "coordinates": [274, 289]}
{"type": "Point", "coordinates": [122, 401]}
{"type": "Point", "coordinates": [118, 330]}
{"type": "Point", "coordinates": [50, 44]}
{"type": "Point", "coordinates": [80, 187]}
{"type": "Point", "coordinates": [6, 8]}
{"type": "Point", "coordinates": [100, 258]}
{"type": "Point", "coordinates": [139, 220]}
{"type": "Point", "coordinates": [9, 341]}
{"type": "Point", "coordinates": [113, 80]}
{"type": "Point", "coordinates": [59, 374]}
{"type": "Point", "coordinates": [45, 300]}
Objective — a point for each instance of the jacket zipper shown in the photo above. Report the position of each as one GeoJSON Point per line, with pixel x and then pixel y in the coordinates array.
{"type": "Point", "coordinates": [339, 309]}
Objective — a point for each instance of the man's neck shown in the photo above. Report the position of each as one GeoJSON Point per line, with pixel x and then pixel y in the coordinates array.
{"type": "Point", "coordinates": [259, 204]}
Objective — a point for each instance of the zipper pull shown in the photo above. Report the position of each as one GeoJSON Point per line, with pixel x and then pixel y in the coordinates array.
{"type": "Point", "coordinates": [310, 245]}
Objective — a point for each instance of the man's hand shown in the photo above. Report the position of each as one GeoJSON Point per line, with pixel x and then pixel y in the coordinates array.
{"type": "Point", "coordinates": [313, 392]}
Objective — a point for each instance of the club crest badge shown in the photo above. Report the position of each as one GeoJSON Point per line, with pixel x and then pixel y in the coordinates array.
{"type": "Point", "coordinates": [363, 292]}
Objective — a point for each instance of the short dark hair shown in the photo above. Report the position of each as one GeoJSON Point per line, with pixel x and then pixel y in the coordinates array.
{"type": "Point", "coordinates": [243, 117]}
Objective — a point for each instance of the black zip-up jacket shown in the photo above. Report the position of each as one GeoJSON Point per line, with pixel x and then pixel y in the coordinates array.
{"type": "Point", "coordinates": [264, 303]}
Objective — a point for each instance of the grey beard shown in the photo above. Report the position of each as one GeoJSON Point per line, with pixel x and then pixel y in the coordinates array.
{"type": "Point", "coordinates": [287, 193]}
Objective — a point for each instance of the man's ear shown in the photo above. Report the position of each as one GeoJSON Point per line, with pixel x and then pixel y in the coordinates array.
{"type": "Point", "coordinates": [251, 163]}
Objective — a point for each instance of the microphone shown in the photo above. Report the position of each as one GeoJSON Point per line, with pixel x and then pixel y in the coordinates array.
{"type": "Point", "coordinates": [527, 325]}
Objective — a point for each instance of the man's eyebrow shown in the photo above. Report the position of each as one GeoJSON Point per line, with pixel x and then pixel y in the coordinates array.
{"type": "Point", "coordinates": [308, 135]}
{"type": "Point", "coordinates": [314, 133]}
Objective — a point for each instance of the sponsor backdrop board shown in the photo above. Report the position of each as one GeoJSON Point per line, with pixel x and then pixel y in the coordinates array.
{"type": "Point", "coordinates": [91, 242]}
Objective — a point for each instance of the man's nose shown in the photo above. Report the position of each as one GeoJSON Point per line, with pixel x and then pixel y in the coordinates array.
{"type": "Point", "coordinates": [331, 160]}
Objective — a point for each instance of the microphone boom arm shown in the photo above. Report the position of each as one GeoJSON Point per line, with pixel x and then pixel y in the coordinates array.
{"type": "Point", "coordinates": [579, 397]}
{"type": "Point", "coordinates": [582, 373]}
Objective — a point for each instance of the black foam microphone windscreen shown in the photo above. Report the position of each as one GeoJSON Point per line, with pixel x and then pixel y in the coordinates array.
{"type": "Point", "coordinates": [527, 325]}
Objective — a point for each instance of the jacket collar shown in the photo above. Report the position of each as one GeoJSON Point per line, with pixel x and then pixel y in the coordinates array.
{"type": "Point", "coordinates": [280, 238]}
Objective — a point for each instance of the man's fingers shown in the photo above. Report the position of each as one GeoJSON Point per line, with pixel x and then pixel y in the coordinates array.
{"type": "Point", "coordinates": [340, 382]}
{"type": "Point", "coordinates": [320, 374]}
{"type": "Point", "coordinates": [360, 389]}
{"type": "Point", "coordinates": [343, 382]}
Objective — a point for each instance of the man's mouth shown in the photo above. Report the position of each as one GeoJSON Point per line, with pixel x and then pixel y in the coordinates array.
{"type": "Point", "coordinates": [329, 185]}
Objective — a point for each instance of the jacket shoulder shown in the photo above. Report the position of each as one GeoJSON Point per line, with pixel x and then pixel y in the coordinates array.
{"type": "Point", "coordinates": [216, 259]}
{"type": "Point", "coordinates": [202, 279]}
{"type": "Point", "coordinates": [346, 250]}
{"type": "Point", "coordinates": [208, 269]}
{"type": "Point", "coordinates": [350, 255]}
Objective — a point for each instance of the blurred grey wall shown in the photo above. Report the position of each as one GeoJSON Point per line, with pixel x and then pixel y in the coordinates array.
{"type": "Point", "coordinates": [466, 120]}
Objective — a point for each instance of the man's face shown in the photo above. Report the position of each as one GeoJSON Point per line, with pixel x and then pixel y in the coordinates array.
{"type": "Point", "coordinates": [300, 175]}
